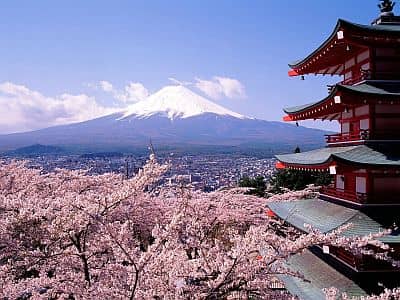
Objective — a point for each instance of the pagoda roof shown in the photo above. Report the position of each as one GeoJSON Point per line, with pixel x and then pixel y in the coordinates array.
{"type": "Point", "coordinates": [359, 36]}
{"type": "Point", "coordinates": [374, 87]}
{"type": "Point", "coordinates": [314, 157]}
{"type": "Point", "coordinates": [372, 155]}
{"type": "Point", "coordinates": [326, 217]}
{"type": "Point", "coordinates": [318, 275]}
{"type": "Point", "coordinates": [366, 89]}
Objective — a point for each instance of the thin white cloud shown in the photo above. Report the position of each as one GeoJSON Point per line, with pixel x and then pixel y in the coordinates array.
{"type": "Point", "coordinates": [22, 109]}
{"type": "Point", "coordinates": [132, 92]}
{"type": "Point", "coordinates": [220, 87]}
{"type": "Point", "coordinates": [106, 86]}
{"type": "Point", "coordinates": [178, 82]}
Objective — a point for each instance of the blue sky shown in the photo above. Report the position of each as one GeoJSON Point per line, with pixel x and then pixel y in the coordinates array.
{"type": "Point", "coordinates": [57, 50]}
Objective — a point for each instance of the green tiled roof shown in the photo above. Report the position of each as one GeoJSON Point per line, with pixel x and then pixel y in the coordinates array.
{"type": "Point", "coordinates": [300, 108]}
{"type": "Point", "coordinates": [319, 275]}
{"type": "Point", "coordinates": [386, 88]}
{"type": "Point", "coordinates": [326, 217]}
{"type": "Point", "coordinates": [314, 157]}
{"type": "Point", "coordinates": [383, 88]}
{"type": "Point", "coordinates": [372, 154]}
{"type": "Point", "coordinates": [385, 29]}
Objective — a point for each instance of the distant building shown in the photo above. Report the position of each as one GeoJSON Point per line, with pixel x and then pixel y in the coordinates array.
{"type": "Point", "coordinates": [364, 158]}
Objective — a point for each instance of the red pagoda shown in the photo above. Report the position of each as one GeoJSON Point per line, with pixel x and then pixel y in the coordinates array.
{"type": "Point", "coordinates": [363, 159]}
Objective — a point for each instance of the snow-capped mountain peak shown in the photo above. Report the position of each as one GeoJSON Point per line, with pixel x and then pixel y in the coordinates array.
{"type": "Point", "coordinates": [211, 127]}
{"type": "Point", "coordinates": [176, 102]}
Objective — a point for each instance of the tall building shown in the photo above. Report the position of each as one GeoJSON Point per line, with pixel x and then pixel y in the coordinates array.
{"type": "Point", "coordinates": [363, 159]}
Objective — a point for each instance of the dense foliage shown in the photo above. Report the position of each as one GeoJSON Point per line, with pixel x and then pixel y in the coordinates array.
{"type": "Point", "coordinates": [257, 185]}
{"type": "Point", "coordinates": [297, 180]}
{"type": "Point", "coordinates": [67, 235]}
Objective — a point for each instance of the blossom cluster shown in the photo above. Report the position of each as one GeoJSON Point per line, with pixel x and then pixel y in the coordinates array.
{"type": "Point", "coordinates": [68, 235]}
{"type": "Point", "coordinates": [311, 191]}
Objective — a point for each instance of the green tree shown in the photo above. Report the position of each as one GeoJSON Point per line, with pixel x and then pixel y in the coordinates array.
{"type": "Point", "coordinates": [257, 184]}
{"type": "Point", "coordinates": [297, 180]}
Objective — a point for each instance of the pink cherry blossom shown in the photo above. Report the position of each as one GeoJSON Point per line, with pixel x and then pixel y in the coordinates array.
{"type": "Point", "coordinates": [68, 235]}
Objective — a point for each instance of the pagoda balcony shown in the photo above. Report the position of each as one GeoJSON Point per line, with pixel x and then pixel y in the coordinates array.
{"type": "Point", "coordinates": [361, 263]}
{"type": "Point", "coordinates": [359, 198]}
{"type": "Point", "coordinates": [368, 75]}
{"type": "Point", "coordinates": [347, 137]}
{"type": "Point", "coordinates": [362, 135]}
{"type": "Point", "coordinates": [356, 79]}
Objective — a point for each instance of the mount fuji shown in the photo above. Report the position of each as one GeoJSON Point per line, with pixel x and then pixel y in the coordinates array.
{"type": "Point", "coordinates": [177, 102]}
{"type": "Point", "coordinates": [173, 117]}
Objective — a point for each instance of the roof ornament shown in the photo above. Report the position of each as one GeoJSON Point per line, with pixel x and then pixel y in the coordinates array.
{"type": "Point", "coordinates": [386, 7]}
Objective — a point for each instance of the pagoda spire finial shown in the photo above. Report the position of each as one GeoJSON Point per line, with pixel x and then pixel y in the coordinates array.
{"type": "Point", "coordinates": [386, 7]}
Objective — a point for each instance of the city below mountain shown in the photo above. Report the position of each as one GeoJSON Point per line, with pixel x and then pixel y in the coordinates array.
{"type": "Point", "coordinates": [173, 118]}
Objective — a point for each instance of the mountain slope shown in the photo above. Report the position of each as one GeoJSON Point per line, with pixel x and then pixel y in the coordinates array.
{"type": "Point", "coordinates": [171, 117]}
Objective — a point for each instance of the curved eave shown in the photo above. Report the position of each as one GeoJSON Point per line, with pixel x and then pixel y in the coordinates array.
{"type": "Point", "coordinates": [342, 25]}
{"type": "Point", "coordinates": [341, 94]}
{"type": "Point", "coordinates": [327, 217]}
{"type": "Point", "coordinates": [380, 155]}
{"type": "Point", "coordinates": [330, 105]}
{"type": "Point", "coordinates": [317, 159]}
{"type": "Point", "coordinates": [371, 88]}
{"type": "Point", "coordinates": [297, 64]}
{"type": "Point", "coordinates": [305, 167]}
{"type": "Point", "coordinates": [306, 107]}
{"type": "Point", "coordinates": [377, 155]}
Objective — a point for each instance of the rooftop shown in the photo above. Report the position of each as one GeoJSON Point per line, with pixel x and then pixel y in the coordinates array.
{"type": "Point", "coordinates": [373, 154]}
{"type": "Point", "coordinates": [319, 275]}
{"type": "Point", "coordinates": [322, 57]}
{"type": "Point", "coordinates": [366, 88]}
{"type": "Point", "coordinates": [326, 217]}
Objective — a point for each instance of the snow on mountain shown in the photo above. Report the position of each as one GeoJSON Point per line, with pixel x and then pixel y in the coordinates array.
{"type": "Point", "coordinates": [197, 122]}
{"type": "Point", "coordinates": [176, 102]}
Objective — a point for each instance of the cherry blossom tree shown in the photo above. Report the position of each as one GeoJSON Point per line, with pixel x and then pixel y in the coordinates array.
{"type": "Point", "coordinates": [387, 294]}
{"type": "Point", "coordinates": [311, 191]}
{"type": "Point", "coordinates": [68, 235]}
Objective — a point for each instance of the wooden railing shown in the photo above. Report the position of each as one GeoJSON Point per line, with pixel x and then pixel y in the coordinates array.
{"type": "Point", "coordinates": [348, 137]}
{"type": "Point", "coordinates": [360, 198]}
{"type": "Point", "coordinates": [356, 79]}
{"type": "Point", "coordinates": [368, 74]}
{"type": "Point", "coordinates": [360, 262]}
{"type": "Point", "coordinates": [363, 135]}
